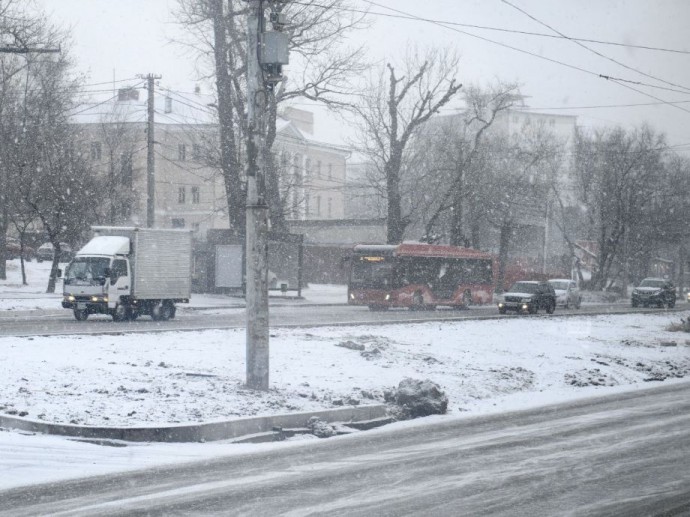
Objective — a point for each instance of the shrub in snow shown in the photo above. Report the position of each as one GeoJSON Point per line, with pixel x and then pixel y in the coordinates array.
{"type": "Point", "coordinates": [320, 428]}
{"type": "Point", "coordinates": [416, 398]}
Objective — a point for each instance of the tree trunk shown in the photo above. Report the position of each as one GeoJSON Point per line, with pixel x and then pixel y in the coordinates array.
{"type": "Point", "coordinates": [396, 225]}
{"type": "Point", "coordinates": [396, 228]}
{"type": "Point", "coordinates": [457, 234]}
{"type": "Point", "coordinates": [229, 165]}
{"type": "Point", "coordinates": [275, 203]}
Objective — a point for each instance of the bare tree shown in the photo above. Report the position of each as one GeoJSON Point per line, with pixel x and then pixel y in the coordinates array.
{"type": "Point", "coordinates": [510, 186]}
{"type": "Point", "coordinates": [395, 105]}
{"type": "Point", "coordinates": [453, 144]}
{"type": "Point", "coordinates": [52, 178]}
{"type": "Point", "coordinates": [322, 65]}
{"type": "Point", "coordinates": [120, 142]}
{"type": "Point", "coordinates": [20, 31]}
{"type": "Point", "coordinates": [616, 171]}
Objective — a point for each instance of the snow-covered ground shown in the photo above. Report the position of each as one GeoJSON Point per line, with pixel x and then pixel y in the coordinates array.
{"type": "Point", "coordinates": [483, 366]}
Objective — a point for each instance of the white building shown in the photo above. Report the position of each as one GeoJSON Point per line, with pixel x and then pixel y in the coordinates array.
{"type": "Point", "coordinates": [189, 189]}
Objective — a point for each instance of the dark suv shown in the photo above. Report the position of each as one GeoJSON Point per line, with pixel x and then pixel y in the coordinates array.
{"type": "Point", "coordinates": [529, 296]}
{"type": "Point", "coordinates": [654, 291]}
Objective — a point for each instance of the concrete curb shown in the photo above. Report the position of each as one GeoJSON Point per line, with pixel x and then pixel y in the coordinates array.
{"type": "Point", "coordinates": [212, 431]}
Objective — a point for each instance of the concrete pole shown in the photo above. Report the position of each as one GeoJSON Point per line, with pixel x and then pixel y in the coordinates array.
{"type": "Point", "coordinates": [257, 211]}
{"type": "Point", "coordinates": [150, 157]}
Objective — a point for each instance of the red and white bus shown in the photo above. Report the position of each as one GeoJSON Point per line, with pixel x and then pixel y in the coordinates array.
{"type": "Point", "coordinates": [419, 276]}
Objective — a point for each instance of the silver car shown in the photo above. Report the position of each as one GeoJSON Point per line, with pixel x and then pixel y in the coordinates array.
{"type": "Point", "coordinates": [567, 293]}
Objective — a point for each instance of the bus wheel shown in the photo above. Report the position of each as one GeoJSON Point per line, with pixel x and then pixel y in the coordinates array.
{"type": "Point", "coordinates": [417, 302]}
{"type": "Point", "coordinates": [466, 299]}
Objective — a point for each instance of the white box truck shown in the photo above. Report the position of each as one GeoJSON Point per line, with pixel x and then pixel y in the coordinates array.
{"type": "Point", "coordinates": [128, 271]}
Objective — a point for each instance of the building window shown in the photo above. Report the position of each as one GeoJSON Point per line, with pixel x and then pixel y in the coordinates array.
{"type": "Point", "coordinates": [195, 195]}
{"type": "Point", "coordinates": [177, 223]}
{"type": "Point", "coordinates": [318, 169]}
{"type": "Point", "coordinates": [318, 205]}
{"type": "Point", "coordinates": [307, 169]}
{"type": "Point", "coordinates": [196, 153]}
{"type": "Point", "coordinates": [181, 195]}
{"type": "Point", "coordinates": [330, 171]}
{"type": "Point", "coordinates": [306, 206]}
{"type": "Point", "coordinates": [168, 105]}
{"type": "Point", "coordinates": [181, 152]}
{"type": "Point", "coordinates": [196, 226]}
{"type": "Point", "coordinates": [96, 151]}
{"type": "Point", "coordinates": [330, 207]}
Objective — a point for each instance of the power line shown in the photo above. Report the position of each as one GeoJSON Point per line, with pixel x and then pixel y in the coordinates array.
{"type": "Point", "coordinates": [590, 49]}
{"type": "Point", "coordinates": [618, 81]}
{"type": "Point", "coordinates": [499, 29]}
{"type": "Point", "coordinates": [605, 106]}
{"type": "Point", "coordinates": [94, 106]}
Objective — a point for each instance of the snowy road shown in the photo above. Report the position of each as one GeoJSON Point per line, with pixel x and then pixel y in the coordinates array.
{"type": "Point", "coordinates": [62, 323]}
{"type": "Point", "coordinates": [624, 454]}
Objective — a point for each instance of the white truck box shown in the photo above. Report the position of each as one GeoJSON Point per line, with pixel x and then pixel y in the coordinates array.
{"type": "Point", "coordinates": [161, 260]}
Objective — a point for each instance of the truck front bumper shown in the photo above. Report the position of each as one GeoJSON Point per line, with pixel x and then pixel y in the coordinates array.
{"type": "Point", "coordinates": [92, 304]}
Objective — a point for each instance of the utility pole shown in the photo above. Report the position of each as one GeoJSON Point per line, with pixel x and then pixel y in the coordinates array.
{"type": "Point", "coordinates": [150, 157]}
{"type": "Point", "coordinates": [266, 52]}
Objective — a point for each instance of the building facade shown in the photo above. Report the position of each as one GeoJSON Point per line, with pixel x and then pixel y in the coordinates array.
{"type": "Point", "coordinates": [189, 190]}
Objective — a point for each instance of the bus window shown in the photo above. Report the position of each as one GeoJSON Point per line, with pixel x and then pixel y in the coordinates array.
{"type": "Point", "coordinates": [366, 274]}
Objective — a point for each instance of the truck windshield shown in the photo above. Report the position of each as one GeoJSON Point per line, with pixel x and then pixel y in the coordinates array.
{"type": "Point", "coordinates": [86, 270]}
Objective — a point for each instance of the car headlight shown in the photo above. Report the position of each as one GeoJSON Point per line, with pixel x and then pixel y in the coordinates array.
{"type": "Point", "coordinates": [388, 297]}
{"type": "Point", "coordinates": [70, 298]}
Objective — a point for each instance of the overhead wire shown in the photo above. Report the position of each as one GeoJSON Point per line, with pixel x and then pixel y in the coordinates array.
{"type": "Point", "coordinates": [619, 81]}
{"type": "Point", "coordinates": [596, 52]}
{"type": "Point", "coordinates": [497, 29]}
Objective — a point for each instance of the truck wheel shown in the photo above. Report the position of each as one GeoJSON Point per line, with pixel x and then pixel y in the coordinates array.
{"type": "Point", "coordinates": [169, 310]}
{"type": "Point", "coordinates": [120, 313]}
{"type": "Point", "coordinates": [157, 312]}
{"type": "Point", "coordinates": [550, 308]}
{"type": "Point", "coordinates": [81, 314]}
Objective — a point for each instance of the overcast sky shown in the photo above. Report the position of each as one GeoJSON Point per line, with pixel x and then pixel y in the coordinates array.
{"type": "Point", "coordinates": [123, 38]}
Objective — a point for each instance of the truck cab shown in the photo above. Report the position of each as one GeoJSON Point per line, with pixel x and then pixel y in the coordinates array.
{"type": "Point", "coordinates": [97, 280]}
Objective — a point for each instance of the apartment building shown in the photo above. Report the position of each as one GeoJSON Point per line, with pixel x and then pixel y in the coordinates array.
{"type": "Point", "coordinates": [189, 190]}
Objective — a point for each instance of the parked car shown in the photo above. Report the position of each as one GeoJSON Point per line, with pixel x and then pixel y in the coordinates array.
{"type": "Point", "coordinates": [654, 291]}
{"type": "Point", "coordinates": [14, 249]}
{"type": "Point", "coordinates": [529, 296]}
{"type": "Point", "coordinates": [45, 252]}
{"type": "Point", "coordinates": [567, 292]}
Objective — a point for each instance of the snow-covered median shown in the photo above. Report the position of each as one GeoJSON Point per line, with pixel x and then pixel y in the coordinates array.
{"type": "Point", "coordinates": [186, 377]}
